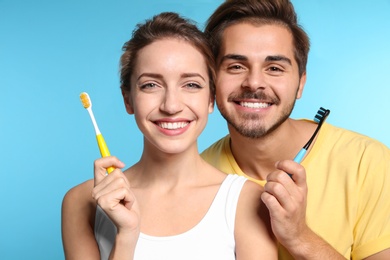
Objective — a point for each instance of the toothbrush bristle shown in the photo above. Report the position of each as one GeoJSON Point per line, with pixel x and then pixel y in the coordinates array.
{"type": "Point", "coordinates": [85, 100]}
{"type": "Point", "coordinates": [322, 113]}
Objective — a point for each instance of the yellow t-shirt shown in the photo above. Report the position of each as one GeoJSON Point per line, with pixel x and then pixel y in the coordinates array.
{"type": "Point", "coordinates": [348, 178]}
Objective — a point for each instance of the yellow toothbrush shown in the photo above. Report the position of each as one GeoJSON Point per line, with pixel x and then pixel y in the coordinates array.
{"type": "Point", "coordinates": [87, 104]}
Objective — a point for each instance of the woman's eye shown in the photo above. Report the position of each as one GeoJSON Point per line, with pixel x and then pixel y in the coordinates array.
{"type": "Point", "coordinates": [193, 85]}
{"type": "Point", "coordinates": [148, 86]}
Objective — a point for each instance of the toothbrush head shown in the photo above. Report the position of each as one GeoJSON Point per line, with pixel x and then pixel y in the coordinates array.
{"type": "Point", "coordinates": [85, 100]}
{"type": "Point", "coordinates": [319, 118]}
{"type": "Point", "coordinates": [321, 115]}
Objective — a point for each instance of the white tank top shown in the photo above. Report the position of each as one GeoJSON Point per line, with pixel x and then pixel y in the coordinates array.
{"type": "Point", "coordinates": [212, 238]}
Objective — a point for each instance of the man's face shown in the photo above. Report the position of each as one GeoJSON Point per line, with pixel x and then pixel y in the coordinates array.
{"type": "Point", "coordinates": [257, 78]}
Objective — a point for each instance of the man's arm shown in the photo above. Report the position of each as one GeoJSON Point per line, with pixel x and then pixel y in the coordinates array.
{"type": "Point", "coordinates": [383, 255]}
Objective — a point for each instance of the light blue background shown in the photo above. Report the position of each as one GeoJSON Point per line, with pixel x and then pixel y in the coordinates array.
{"type": "Point", "coordinates": [50, 51]}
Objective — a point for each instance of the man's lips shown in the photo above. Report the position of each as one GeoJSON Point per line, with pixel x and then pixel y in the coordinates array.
{"type": "Point", "coordinates": [255, 100]}
{"type": "Point", "coordinates": [253, 104]}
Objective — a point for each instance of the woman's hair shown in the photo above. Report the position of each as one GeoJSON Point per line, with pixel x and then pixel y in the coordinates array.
{"type": "Point", "coordinates": [162, 26]}
{"type": "Point", "coordinates": [259, 12]}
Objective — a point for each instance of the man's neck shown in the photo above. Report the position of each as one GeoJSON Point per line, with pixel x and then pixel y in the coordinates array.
{"type": "Point", "coordinates": [257, 157]}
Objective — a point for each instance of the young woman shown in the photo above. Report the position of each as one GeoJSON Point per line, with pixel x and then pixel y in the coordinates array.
{"type": "Point", "coordinates": [171, 204]}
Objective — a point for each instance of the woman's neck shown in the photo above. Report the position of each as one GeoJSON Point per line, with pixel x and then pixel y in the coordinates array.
{"type": "Point", "coordinates": [163, 169]}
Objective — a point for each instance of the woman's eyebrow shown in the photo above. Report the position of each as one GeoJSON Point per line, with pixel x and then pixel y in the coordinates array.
{"type": "Point", "coordinates": [152, 75]}
{"type": "Point", "coordinates": [189, 75]}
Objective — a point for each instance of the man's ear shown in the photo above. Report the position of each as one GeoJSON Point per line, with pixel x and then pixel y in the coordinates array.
{"type": "Point", "coordinates": [127, 100]}
{"type": "Point", "coordinates": [302, 82]}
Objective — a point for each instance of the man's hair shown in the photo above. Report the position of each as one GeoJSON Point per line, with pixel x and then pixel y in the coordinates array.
{"type": "Point", "coordinates": [259, 12]}
{"type": "Point", "coordinates": [163, 26]}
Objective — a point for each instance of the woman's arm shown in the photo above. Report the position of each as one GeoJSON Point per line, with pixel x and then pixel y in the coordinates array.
{"type": "Point", "coordinates": [114, 195]}
{"type": "Point", "coordinates": [78, 214]}
{"type": "Point", "coordinates": [253, 233]}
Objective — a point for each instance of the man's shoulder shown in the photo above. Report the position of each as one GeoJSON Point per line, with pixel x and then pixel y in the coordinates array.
{"type": "Point", "coordinates": [351, 142]}
{"type": "Point", "coordinates": [216, 148]}
{"type": "Point", "coordinates": [353, 136]}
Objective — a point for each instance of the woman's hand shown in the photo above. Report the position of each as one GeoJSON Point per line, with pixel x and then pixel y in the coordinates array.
{"type": "Point", "coordinates": [113, 194]}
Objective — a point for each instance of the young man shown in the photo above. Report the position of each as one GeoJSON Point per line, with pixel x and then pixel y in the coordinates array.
{"type": "Point", "coordinates": [340, 206]}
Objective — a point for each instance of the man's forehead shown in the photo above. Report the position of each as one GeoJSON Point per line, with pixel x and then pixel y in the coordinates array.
{"type": "Point", "coordinates": [257, 41]}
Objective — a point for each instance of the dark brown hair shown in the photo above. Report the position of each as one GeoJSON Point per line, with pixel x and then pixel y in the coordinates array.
{"type": "Point", "coordinates": [259, 12]}
{"type": "Point", "coordinates": [164, 25]}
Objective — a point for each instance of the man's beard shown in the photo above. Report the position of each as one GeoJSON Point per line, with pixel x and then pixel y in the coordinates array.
{"type": "Point", "coordinates": [251, 125]}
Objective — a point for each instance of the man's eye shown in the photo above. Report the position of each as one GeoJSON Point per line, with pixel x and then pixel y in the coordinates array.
{"type": "Point", "coordinates": [235, 67]}
{"type": "Point", "coordinates": [275, 69]}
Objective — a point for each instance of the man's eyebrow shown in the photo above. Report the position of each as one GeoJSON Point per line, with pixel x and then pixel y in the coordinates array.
{"type": "Point", "coordinates": [278, 58]}
{"type": "Point", "coordinates": [239, 57]}
{"type": "Point", "coordinates": [236, 57]}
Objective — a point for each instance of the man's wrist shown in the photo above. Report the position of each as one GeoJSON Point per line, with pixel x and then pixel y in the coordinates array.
{"type": "Point", "coordinates": [311, 246]}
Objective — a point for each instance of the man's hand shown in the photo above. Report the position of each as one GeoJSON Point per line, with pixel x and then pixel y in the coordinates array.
{"type": "Point", "coordinates": [286, 198]}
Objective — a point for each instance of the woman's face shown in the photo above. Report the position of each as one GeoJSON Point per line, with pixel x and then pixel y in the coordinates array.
{"type": "Point", "coordinates": [170, 94]}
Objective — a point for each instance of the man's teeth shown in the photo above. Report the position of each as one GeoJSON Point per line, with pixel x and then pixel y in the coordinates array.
{"type": "Point", "coordinates": [172, 126]}
{"type": "Point", "coordinates": [254, 105]}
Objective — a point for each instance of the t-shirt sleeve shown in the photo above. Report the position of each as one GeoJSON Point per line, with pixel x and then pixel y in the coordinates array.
{"type": "Point", "coordinates": [372, 228]}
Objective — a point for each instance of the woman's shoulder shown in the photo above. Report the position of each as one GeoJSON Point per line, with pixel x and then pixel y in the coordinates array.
{"type": "Point", "coordinates": [79, 199]}
{"type": "Point", "coordinates": [249, 200]}
{"type": "Point", "coordinates": [252, 190]}
{"type": "Point", "coordinates": [80, 191]}
{"type": "Point", "coordinates": [77, 222]}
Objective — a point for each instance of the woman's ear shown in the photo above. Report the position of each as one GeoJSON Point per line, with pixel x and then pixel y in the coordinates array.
{"type": "Point", "coordinates": [127, 100]}
{"type": "Point", "coordinates": [211, 104]}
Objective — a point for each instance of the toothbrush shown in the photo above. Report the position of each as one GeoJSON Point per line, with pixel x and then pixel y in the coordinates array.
{"type": "Point", "coordinates": [87, 104]}
{"type": "Point", "coordinates": [319, 118]}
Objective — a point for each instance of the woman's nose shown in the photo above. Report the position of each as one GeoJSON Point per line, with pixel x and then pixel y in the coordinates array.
{"type": "Point", "coordinates": [171, 103]}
